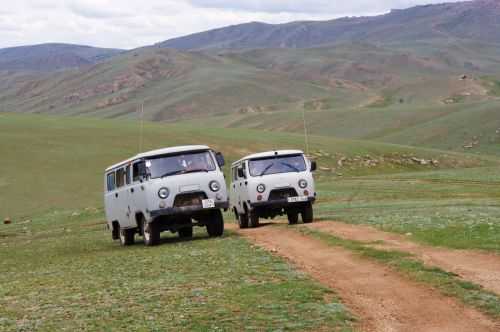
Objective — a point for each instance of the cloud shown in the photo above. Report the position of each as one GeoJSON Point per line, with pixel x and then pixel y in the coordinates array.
{"type": "Point", "coordinates": [134, 23]}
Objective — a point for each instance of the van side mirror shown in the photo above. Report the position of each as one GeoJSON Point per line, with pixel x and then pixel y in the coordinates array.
{"type": "Point", "coordinates": [240, 173]}
{"type": "Point", "coordinates": [220, 159]}
{"type": "Point", "coordinates": [314, 166]}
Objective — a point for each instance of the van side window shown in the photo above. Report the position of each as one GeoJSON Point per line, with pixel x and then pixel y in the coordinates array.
{"type": "Point", "coordinates": [235, 173]}
{"type": "Point", "coordinates": [111, 181]}
{"type": "Point", "coordinates": [135, 171]}
{"type": "Point", "coordinates": [120, 178]}
{"type": "Point", "coordinates": [127, 175]}
{"type": "Point", "coordinates": [244, 166]}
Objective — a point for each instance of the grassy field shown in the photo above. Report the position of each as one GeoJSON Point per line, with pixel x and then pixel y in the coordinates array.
{"type": "Point", "coordinates": [62, 272]}
{"type": "Point", "coordinates": [451, 208]}
{"type": "Point", "coordinates": [53, 162]}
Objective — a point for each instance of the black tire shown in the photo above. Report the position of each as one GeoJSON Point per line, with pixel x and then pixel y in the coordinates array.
{"type": "Point", "coordinates": [151, 234]}
{"type": "Point", "coordinates": [215, 226]}
{"type": "Point", "coordinates": [186, 232]}
{"type": "Point", "coordinates": [127, 236]}
{"type": "Point", "coordinates": [253, 219]}
{"type": "Point", "coordinates": [307, 214]}
{"type": "Point", "coordinates": [243, 221]}
{"type": "Point", "coordinates": [293, 217]}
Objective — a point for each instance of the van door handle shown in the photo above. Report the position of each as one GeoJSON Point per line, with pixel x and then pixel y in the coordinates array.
{"type": "Point", "coordinates": [246, 183]}
{"type": "Point", "coordinates": [132, 190]}
{"type": "Point", "coordinates": [116, 195]}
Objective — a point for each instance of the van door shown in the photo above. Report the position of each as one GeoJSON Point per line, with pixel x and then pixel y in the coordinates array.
{"type": "Point", "coordinates": [122, 199]}
{"type": "Point", "coordinates": [243, 191]}
{"type": "Point", "coordinates": [232, 190]}
{"type": "Point", "coordinates": [109, 201]}
{"type": "Point", "coordinates": [137, 191]}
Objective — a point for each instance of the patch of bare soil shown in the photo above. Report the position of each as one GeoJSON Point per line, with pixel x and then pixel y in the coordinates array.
{"type": "Point", "coordinates": [380, 297]}
{"type": "Point", "coordinates": [479, 267]}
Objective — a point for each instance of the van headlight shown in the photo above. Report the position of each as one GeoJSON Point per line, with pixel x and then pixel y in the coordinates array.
{"type": "Point", "coordinates": [214, 186]}
{"type": "Point", "coordinates": [163, 193]}
{"type": "Point", "coordinates": [302, 183]}
{"type": "Point", "coordinates": [261, 188]}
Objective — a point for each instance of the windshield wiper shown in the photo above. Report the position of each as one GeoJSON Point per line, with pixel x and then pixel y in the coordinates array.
{"type": "Point", "coordinates": [184, 171]}
{"type": "Point", "coordinates": [266, 169]}
{"type": "Point", "coordinates": [196, 170]}
{"type": "Point", "coordinates": [179, 171]}
{"type": "Point", "coordinates": [291, 166]}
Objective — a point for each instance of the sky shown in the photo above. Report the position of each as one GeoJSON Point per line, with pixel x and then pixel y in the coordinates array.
{"type": "Point", "coordinates": [133, 23]}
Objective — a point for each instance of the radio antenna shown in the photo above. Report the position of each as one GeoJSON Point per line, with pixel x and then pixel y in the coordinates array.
{"type": "Point", "coordinates": [141, 132]}
{"type": "Point", "coordinates": [306, 138]}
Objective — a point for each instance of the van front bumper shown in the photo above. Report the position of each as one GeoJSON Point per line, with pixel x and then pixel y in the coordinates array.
{"type": "Point", "coordinates": [186, 210]}
{"type": "Point", "coordinates": [280, 203]}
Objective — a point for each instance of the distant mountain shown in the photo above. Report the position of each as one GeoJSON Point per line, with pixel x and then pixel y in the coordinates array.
{"type": "Point", "coordinates": [52, 57]}
{"type": "Point", "coordinates": [478, 20]}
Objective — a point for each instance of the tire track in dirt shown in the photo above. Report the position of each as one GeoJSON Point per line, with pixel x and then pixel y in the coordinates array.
{"type": "Point", "coordinates": [380, 297]}
{"type": "Point", "coordinates": [478, 267]}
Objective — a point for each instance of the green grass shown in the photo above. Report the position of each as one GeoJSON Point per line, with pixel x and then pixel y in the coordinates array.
{"type": "Point", "coordinates": [53, 162]}
{"type": "Point", "coordinates": [446, 282]}
{"type": "Point", "coordinates": [450, 208]}
{"type": "Point", "coordinates": [62, 272]}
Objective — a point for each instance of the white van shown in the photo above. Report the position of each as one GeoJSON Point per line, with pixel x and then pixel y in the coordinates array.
{"type": "Point", "coordinates": [170, 189]}
{"type": "Point", "coordinates": [270, 184]}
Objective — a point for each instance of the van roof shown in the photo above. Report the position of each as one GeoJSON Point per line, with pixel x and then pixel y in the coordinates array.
{"type": "Point", "coordinates": [269, 154]}
{"type": "Point", "coordinates": [175, 149]}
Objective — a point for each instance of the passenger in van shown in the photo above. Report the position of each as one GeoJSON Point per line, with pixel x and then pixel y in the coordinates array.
{"type": "Point", "coordinates": [197, 163]}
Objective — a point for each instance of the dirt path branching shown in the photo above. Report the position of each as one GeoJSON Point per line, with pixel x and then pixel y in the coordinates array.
{"type": "Point", "coordinates": [471, 265]}
{"type": "Point", "coordinates": [382, 298]}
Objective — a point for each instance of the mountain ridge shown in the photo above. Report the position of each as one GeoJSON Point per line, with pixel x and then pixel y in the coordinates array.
{"type": "Point", "coordinates": [478, 20]}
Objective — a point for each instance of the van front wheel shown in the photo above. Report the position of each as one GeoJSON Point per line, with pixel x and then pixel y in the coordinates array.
{"type": "Point", "coordinates": [254, 219]}
{"type": "Point", "coordinates": [151, 234]}
{"type": "Point", "coordinates": [127, 236]}
{"type": "Point", "coordinates": [307, 214]}
{"type": "Point", "coordinates": [186, 232]}
{"type": "Point", "coordinates": [293, 217]}
{"type": "Point", "coordinates": [243, 220]}
{"type": "Point", "coordinates": [215, 226]}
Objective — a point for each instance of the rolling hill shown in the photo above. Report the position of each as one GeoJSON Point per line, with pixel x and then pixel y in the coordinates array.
{"type": "Point", "coordinates": [407, 77]}
{"type": "Point", "coordinates": [52, 57]}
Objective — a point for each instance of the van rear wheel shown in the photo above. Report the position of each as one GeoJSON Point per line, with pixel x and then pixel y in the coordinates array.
{"type": "Point", "coordinates": [127, 236]}
{"type": "Point", "coordinates": [307, 214]}
{"type": "Point", "coordinates": [215, 225]}
{"type": "Point", "coordinates": [151, 234]}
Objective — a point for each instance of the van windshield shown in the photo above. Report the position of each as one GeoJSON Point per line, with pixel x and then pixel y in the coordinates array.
{"type": "Point", "coordinates": [278, 164]}
{"type": "Point", "coordinates": [190, 162]}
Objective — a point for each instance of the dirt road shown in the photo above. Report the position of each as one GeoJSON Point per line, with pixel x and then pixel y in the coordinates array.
{"type": "Point", "coordinates": [380, 297]}
{"type": "Point", "coordinates": [478, 267]}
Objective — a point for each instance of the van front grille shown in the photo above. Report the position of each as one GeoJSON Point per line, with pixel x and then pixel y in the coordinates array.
{"type": "Point", "coordinates": [279, 194]}
{"type": "Point", "coordinates": [190, 199]}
